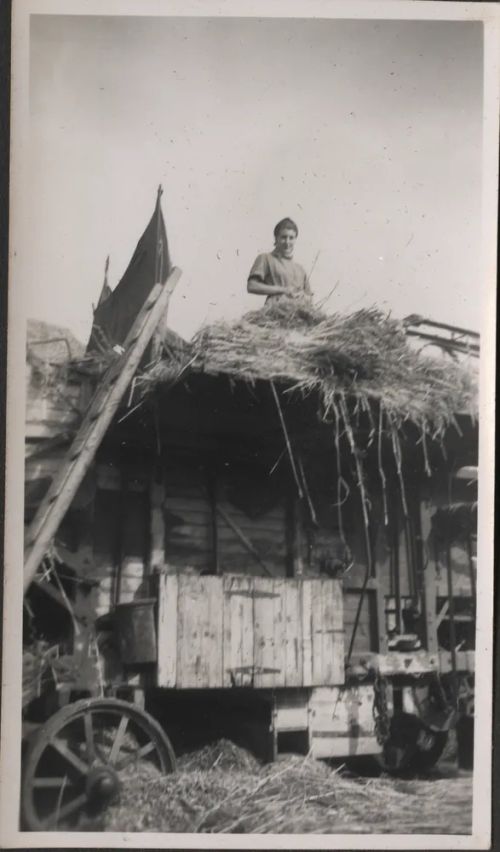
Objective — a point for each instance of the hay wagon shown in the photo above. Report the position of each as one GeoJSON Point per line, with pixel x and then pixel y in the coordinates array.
{"type": "Point", "coordinates": [231, 551]}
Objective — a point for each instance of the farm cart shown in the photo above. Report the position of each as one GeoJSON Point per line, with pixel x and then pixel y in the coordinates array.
{"type": "Point", "coordinates": [232, 564]}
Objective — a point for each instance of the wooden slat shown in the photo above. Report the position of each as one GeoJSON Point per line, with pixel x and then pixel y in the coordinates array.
{"type": "Point", "coordinates": [342, 722]}
{"type": "Point", "coordinates": [100, 414]}
{"type": "Point", "coordinates": [317, 633]}
{"type": "Point", "coordinates": [279, 614]}
{"type": "Point", "coordinates": [293, 649]}
{"type": "Point", "coordinates": [238, 627]}
{"type": "Point", "coordinates": [167, 630]}
{"type": "Point", "coordinates": [336, 746]}
{"type": "Point", "coordinates": [213, 640]}
{"type": "Point", "coordinates": [263, 608]}
{"type": "Point", "coordinates": [199, 639]}
{"type": "Point", "coordinates": [328, 637]}
{"type": "Point", "coordinates": [292, 709]}
{"type": "Point", "coordinates": [190, 626]}
{"type": "Point", "coordinates": [157, 526]}
{"type": "Point", "coordinates": [333, 637]}
{"type": "Point", "coordinates": [307, 647]}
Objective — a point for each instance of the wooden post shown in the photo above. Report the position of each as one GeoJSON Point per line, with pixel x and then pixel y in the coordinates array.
{"type": "Point", "coordinates": [451, 618]}
{"type": "Point", "coordinates": [298, 539]}
{"type": "Point", "coordinates": [396, 564]}
{"type": "Point", "coordinates": [429, 586]}
{"type": "Point", "coordinates": [294, 537]}
{"type": "Point", "coordinates": [157, 526]}
{"type": "Point", "coordinates": [212, 499]}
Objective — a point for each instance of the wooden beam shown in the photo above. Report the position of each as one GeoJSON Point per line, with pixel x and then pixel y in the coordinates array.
{"type": "Point", "coordinates": [296, 536]}
{"type": "Point", "coordinates": [212, 499]}
{"type": "Point", "coordinates": [443, 612]}
{"type": "Point", "coordinates": [51, 591]}
{"type": "Point", "coordinates": [49, 444]}
{"type": "Point", "coordinates": [157, 526]}
{"type": "Point", "coordinates": [95, 424]}
{"type": "Point", "coordinates": [244, 540]}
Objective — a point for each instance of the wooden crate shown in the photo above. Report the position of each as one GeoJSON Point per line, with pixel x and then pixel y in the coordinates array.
{"type": "Point", "coordinates": [237, 630]}
{"type": "Point", "coordinates": [341, 722]}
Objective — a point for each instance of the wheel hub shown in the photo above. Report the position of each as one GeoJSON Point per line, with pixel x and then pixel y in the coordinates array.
{"type": "Point", "coordinates": [102, 785]}
{"type": "Point", "coordinates": [425, 740]}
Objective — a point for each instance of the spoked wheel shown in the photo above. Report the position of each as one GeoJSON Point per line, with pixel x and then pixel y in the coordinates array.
{"type": "Point", "coordinates": [78, 760]}
{"type": "Point", "coordinates": [411, 746]}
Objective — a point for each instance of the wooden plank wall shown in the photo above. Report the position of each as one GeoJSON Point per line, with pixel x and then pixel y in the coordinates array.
{"type": "Point", "coordinates": [188, 538]}
{"type": "Point", "coordinates": [120, 537]}
{"type": "Point", "coordinates": [242, 631]}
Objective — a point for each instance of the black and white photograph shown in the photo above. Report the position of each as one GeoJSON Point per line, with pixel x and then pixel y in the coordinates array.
{"type": "Point", "coordinates": [250, 425]}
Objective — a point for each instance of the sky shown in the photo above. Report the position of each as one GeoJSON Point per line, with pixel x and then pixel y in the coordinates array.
{"type": "Point", "coordinates": [367, 133]}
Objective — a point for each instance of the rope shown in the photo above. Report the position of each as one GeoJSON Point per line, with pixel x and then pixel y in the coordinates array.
{"type": "Point", "coordinates": [287, 440]}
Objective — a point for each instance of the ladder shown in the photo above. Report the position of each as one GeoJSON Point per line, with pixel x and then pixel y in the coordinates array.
{"type": "Point", "coordinates": [100, 413]}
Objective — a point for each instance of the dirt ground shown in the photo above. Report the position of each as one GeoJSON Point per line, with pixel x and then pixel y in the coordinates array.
{"type": "Point", "coordinates": [223, 789]}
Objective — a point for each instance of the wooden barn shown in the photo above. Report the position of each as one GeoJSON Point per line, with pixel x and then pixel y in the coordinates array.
{"type": "Point", "coordinates": [266, 533]}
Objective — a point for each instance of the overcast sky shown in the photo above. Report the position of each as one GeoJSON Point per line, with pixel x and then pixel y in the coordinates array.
{"type": "Point", "coordinates": [367, 133]}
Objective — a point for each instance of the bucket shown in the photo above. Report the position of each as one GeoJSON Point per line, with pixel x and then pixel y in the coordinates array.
{"type": "Point", "coordinates": [136, 631]}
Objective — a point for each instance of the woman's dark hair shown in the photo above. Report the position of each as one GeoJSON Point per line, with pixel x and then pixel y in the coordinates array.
{"type": "Point", "coordinates": [286, 223]}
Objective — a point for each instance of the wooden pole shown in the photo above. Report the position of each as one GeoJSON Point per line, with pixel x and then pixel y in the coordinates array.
{"type": "Point", "coordinates": [451, 619]}
{"type": "Point", "coordinates": [212, 499]}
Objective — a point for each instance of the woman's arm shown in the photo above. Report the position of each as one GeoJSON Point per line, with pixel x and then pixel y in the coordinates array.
{"type": "Point", "coordinates": [259, 288]}
{"type": "Point", "coordinates": [257, 279]}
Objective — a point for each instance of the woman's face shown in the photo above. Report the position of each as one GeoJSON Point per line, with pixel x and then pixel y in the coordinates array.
{"type": "Point", "coordinates": [285, 242]}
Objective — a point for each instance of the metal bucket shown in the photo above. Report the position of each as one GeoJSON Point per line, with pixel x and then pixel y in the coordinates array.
{"type": "Point", "coordinates": [136, 631]}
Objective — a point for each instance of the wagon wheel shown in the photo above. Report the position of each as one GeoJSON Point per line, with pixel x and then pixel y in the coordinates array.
{"type": "Point", "coordinates": [78, 760]}
{"type": "Point", "coordinates": [411, 747]}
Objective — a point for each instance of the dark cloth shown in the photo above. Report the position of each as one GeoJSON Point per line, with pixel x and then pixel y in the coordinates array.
{"type": "Point", "coordinates": [150, 264]}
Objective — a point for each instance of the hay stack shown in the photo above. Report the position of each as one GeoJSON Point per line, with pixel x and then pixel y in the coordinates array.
{"type": "Point", "coordinates": [365, 355]}
{"type": "Point", "coordinates": [295, 795]}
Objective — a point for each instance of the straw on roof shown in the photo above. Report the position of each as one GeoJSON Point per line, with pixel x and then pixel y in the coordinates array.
{"type": "Point", "coordinates": [365, 354]}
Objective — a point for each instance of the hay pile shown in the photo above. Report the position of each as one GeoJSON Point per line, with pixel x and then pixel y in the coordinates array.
{"type": "Point", "coordinates": [365, 355]}
{"type": "Point", "coordinates": [223, 790]}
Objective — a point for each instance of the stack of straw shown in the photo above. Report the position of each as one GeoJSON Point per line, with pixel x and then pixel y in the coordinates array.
{"type": "Point", "coordinates": [365, 355]}
{"type": "Point", "coordinates": [295, 795]}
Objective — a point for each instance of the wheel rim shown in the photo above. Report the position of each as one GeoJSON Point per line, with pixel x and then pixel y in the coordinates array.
{"type": "Point", "coordinates": [81, 757]}
{"type": "Point", "coordinates": [402, 743]}
{"type": "Point", "coordinates": [411, 746]}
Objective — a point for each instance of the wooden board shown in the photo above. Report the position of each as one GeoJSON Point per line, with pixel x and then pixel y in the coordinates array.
{"type": "Point", "coordinates": [292, 710]}
{"type": "Point", "coordinates": [268, 657]}
{"type": "Point", "coordinates": [342, 722]}
{"type": "Point", "coordinates": [279, 631]}
{"type": "Point", "coordinates": [249, 631]}
{"type": "Point", "coordinates": [167, 630]}
{"type": "Point", "coordinates": [293, 656]}
{"type": "Point", "coordinates": [238, 648]}
{"type": "Point", "coordinates": [317, 632]}
{"type": "Point", "coordinates": [199, 632]}
{"type": "Point", "coordinates": [307, 627]}
{"type": "Point", "coordinates": [327, 640]}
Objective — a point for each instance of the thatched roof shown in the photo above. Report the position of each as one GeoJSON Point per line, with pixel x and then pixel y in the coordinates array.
{"type": "Point", "coordinates": [365, 355]}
